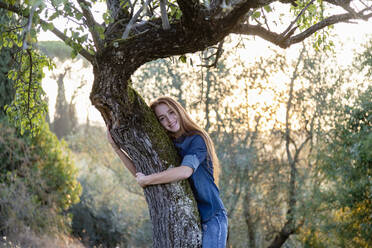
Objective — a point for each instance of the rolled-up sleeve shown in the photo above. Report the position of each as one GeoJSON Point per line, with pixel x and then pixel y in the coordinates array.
{"type": "Point", "coordinates": [195, 154]}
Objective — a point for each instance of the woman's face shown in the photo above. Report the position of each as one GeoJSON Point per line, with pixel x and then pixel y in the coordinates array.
{"type": "Point", "coordinates": [168, 118]}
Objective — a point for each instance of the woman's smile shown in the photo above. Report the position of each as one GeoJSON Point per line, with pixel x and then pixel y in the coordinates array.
{"type": "Point", "coordinates": [173, 124]}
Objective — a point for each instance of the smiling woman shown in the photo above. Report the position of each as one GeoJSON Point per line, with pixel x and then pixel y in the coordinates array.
{"type": "Point", "coordinates": [199, 162]}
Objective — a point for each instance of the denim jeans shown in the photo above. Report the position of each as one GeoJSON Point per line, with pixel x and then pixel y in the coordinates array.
{"type": "Point", "coordinates": [214, 231]}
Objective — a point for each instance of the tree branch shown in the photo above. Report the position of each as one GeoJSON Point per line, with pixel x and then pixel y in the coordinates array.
{"type": "Point", "coordinates": [27, 29]}
{"type": "Point", "coordinates": [215, 4]}
{"type": "Point", "coordinates": [117, 10]}
{"type": "Point", "coordinates": [134, 19]}
{"type": "Point", "coordinates": [205, 29]}
{"type": "Point", "coordinates": [295, 20]}
{"type": "Point", "coordinates": [289, 227]}
{"type": "Point", "coordinates": [59, 34]}
{"type": "Point", "coordinates": [91, 23]}
{"type": "Point", "coordinates": [298, 151]}
{"type": "Point", "coordinates": [218, 54]}
{"type": "Point", "coordinates": [288, 40]}
{"type": "Point", "coordinates": [164, 16]}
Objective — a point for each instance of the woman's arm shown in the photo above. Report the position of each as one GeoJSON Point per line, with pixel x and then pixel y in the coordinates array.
{"type": "Point", "coordinates": [123, 157]}
{"type": "Point", "coordinates": [167, 176]}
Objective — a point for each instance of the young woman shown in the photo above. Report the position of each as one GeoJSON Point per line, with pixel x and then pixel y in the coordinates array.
{"type": "Point", "coordinates": [199, 165]}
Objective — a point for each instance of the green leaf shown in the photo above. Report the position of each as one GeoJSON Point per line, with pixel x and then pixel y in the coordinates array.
{"type": "Point", "coordinates": [256, 14]}
{"type": "Point", "coordinates": [182, 58]}
{"type": "Point", "coordinates": [74, 53]}
{"type": "Point", "coordinates": [84, 38]}
{"type": "Point", "coordinates": [78, 16]}
{"type": "Point", "coordinates": [50, 26]}
{"type": "Point", "coordinates": [53, 16]}
{"type": "Point", "coordinates": [100, 30]}
{"type": "Point", "coordinates": [44, 27]}
{"type": "Point", "coordinates": [267, 8]}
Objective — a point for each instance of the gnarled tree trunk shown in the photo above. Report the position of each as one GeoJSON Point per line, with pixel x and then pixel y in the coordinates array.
{"type": "Point", "coordinates": [135, 129]}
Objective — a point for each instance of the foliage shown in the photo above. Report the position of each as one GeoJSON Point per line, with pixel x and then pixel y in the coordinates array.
{"type": "Point", "coordinates": [57, 168]}
{"type": "Point", "coordinates": [364, 60]}
{"type": "Point", "coordinates": [27, 111]}
{"type": "Point", "coordinates": [7, 91]}
{"type": "Point", "coordinates": [24, 68]}
{"type": "Point", "coordinates": [344, 167]}
{"type": "Point", "coordinates": [314, 13]}
{"type": "Point", "coordinates": [6, 86]}
{"type": "Point", "coordinates": [78, 38]}
{"type": "Point", "coordinates": [10, 38]}
{"type": "Point", "coordinates": [347, 167]}
{"type": "Point", "coordinates": [83, 32]}
{"type": "Point", "coordinates": [38, 182]}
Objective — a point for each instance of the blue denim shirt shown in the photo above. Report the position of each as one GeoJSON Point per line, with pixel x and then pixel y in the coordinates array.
{"type": "Point", "coordinates": [193, 151]}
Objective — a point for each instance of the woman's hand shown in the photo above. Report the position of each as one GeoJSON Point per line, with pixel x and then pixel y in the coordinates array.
{"type": "Point", "coordinates": [141, 179]}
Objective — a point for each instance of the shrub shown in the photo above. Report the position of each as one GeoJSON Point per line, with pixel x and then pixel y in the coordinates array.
{"type": "Point", "coordinates": [37, 183]}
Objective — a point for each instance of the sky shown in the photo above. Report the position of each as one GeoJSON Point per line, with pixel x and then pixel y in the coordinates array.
{"type": "Point", "coordinates": [348, 38]}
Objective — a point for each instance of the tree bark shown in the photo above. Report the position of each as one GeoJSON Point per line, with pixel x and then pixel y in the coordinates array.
{"type": "Point", "coordinates": [136, 130]}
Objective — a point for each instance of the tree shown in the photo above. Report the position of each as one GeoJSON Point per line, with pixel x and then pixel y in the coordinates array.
{"type": "Point", "coordinates": [65, 120]}
{"type": "Point", "coordinates": [134, 34]}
